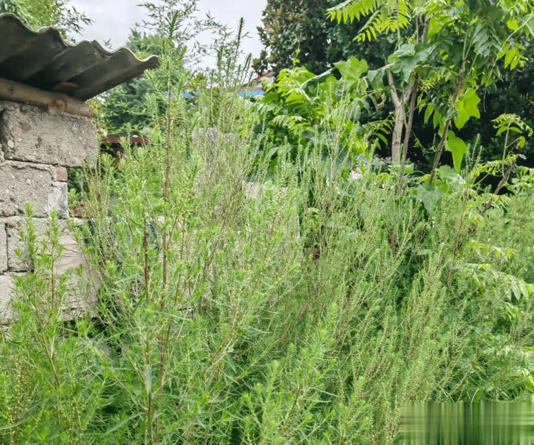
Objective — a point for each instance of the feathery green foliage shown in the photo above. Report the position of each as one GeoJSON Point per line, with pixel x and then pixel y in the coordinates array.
{"type": "Point", "coordinates": [40, 13]}
{"type": "Point", "coordinates": [245, 304]}
{"type": "Point", "coordinates": [246, 301]}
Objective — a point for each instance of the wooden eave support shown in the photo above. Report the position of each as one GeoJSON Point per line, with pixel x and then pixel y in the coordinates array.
{"type": "Point", "coordinates": [18, 92]}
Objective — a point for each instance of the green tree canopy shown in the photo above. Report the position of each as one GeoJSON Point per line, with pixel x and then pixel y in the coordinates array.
{"type": "Point", "coordinates": [39, 13]}
{"type": "Point", "coordinates": [444, 53]}
{"type": "Point", "coordinates": [292, 28]}
{"type": "Point", "coordinates": [301, 29]}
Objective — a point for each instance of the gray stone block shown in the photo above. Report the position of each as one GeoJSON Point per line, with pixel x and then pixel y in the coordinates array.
{"type": "Point", "coordinates": [61, 174]}
{"type": "Point", "coordinates": [81, 296]}
{"type": "Point", "coordinates": [77, 303]}
{"type": "Point", "coordinates": [71, 258]}
{"type": "Point", "coordinates": [58, 199]}
{"type": "Point", "coordinates": [15, 245]}
{"type": "Point", "coordinates": [21, 182]}
{"type": "Point", "coordinates": [7, 285]}
{"type": "Point", "coordinates": [3, 248]}
{"type": "Point", "coordinates": [31, 134]}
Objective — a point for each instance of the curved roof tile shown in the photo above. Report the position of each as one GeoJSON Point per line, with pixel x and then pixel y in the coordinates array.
{"type": "Point", "coordinates": [44, 60]}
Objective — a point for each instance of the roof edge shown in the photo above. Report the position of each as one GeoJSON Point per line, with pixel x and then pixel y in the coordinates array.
{"type": "Point", "coordinates": [103, 69]}
{"type": "Point", "coordinates": [103, 51]}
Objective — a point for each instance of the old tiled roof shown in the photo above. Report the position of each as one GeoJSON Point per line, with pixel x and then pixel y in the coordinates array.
{"type": "Point", "coordinates": [44, 60]}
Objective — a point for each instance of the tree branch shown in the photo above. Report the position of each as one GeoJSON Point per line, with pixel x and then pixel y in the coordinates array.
{"type": "Point", "coordinates": [459, 86]}
{"type": "Point", "coordinates": [408, 132]}
{"type": "Point", "coordinates": [394, 94]}
{"type": "Point", "coordinates": [501, 184]}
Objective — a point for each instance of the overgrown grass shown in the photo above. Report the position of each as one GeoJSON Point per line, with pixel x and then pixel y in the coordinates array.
{"type": "Point", "coordinates": [246, 303]}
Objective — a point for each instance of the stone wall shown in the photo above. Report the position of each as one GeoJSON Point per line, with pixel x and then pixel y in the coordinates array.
{"type": "Point", "coordinates": [36, 149]}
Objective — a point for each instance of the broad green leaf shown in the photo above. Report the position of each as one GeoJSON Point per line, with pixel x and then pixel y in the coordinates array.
{"type": "Point", "coordinates": [352, 70]}
{"type": "Point", "coordinates": [501, 130]}
{"type": "Point", "coordinates": [458, 148]}
{"type": "Point", "coordinates": [513, 57]}
{"type": "Point", "coordinates": [429, 195]}
{"type": "Point", "coordinates": [434, 27]}
{"type": "Point", "coordinates": [523, 288]}
{"type": "Point", "coordinates": [408, 57]}
{"type": "Point", "coordinates": [450, 176]}
{"type": "Point", "coordinates": [467, 107]}
{"type": "Point", "coordinates": [376, 78]}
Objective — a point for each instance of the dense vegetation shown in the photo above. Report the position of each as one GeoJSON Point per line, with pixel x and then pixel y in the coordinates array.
{"type": "Point", "coordinates": [297, 29]}
{"type": "Point", "coordinates": [41, 13]}
{"type": "Point", "coordinates": [263, 277]}
{"type": "Point", "coordinates": [299, 32]}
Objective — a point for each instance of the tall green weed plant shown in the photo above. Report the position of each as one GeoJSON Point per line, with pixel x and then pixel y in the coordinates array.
{"type": "Point", "coordinates": [242, 303]}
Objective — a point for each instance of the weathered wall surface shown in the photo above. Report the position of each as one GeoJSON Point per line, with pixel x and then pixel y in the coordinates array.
{"type": "Point", "coordinates": [31, 134]}
{"type": "Point", "coordinates": [38, 184]}
{"type": "Point", "coordinates": [36, 148]}
{"type": "Point", "coordinates": [3, 248]}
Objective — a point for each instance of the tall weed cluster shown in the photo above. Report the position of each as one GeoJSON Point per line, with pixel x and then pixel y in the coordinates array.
{"type": "Point", "coordinates": [242, 302]}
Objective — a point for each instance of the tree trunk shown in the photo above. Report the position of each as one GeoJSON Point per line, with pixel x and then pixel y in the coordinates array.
{"type": "Point", "coordinates": [396, 137]}
{"type": "Point", "coordinates": [408, 133]}
{"type": "Point", "coordinates": [400, 118]}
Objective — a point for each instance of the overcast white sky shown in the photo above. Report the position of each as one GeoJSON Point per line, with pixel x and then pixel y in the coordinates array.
{"type": "Point", "coordinates": [112, 19]}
